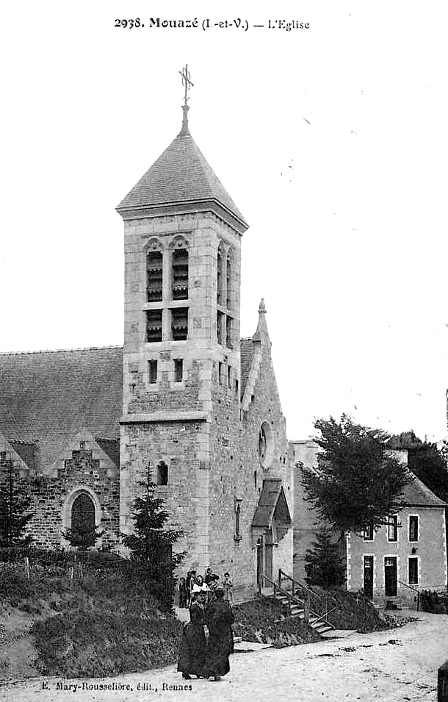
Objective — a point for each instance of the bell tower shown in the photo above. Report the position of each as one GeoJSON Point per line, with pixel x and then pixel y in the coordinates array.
{"type": "Point", "coordinates": [181, 360]}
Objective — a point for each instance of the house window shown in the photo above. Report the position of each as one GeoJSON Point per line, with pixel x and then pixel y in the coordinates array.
{"type": "Point", "coordinates": [152, 371]}
{"type": "Point", "coordinates": [413, 528]}
{"type": "Point", "coordinates": [180, 274]}
{"type": "Point", "coordinates": [162, 474]}
{"type": "Point", "coordinates": [392, 528]}
{"type": "Point", "coordinates": [179, 323]}
{"type": "Point", "coordinates": [154, 271]}
{"type": "Point", "coordinates": [178, 370]}
{"type": "Point", "coordinates": [229, 332]}
{"type": "Point", "coordinates": [368, 532]}
{"type": "Point", "coordinates": [153, 325]}
{"type": "Point", "coordinates": [413, 571]}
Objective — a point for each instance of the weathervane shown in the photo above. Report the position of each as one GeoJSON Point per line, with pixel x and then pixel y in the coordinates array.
{"type": "Point", "coordinates": [188, 84]}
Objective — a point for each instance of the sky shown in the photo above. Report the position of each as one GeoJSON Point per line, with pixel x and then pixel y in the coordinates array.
{"type": "Point", "coordinates": [331, 140]}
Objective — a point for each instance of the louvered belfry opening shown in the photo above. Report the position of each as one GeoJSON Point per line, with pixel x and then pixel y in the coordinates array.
{"type": "Point", "coordinates": [154, 275]}
{"type": "Point", "coordinates": [179, 323]}
{"type": "Point", "coordinates": [153, 325]}
{"type": "Point", "coordinates": [180, 274]}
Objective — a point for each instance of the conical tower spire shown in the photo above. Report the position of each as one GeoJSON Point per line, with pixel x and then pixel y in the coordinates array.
{"type": "Point", "coordinates": [186, 82]}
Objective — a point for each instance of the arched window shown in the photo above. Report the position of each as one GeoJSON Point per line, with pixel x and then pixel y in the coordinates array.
{"type": "Point", "coordinates": [229, 266]}
{"type": "Point", "coordinates": [265, 444]}
{"type": "Point", "coordinates": [154, 271]}
{"type": "Point", "coordinates": [162, 474]}
{"type": "Point", "coordinates": [82, 521]}
{"type": "Point", "coordinates": [219, 275]}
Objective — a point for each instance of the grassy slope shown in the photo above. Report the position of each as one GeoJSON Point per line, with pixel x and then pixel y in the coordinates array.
{"type": "Point", "coordinates": [90, 621]}
{"type": "Point", "coordinates": [99, 623]}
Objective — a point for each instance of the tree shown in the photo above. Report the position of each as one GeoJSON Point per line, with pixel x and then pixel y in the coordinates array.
{"type": "Point", "coordinates": [323, 563]}
{"type": "Point", "coordinates": [151, 543]}
{"type": "Point", "coordinates": [15, 505]}
{"type": "Point", "coordinates": [358, 481]}
{"type": "Point", "coordinates": [428, 462]}
{"type": "Point", "coordinates": [82, 537]}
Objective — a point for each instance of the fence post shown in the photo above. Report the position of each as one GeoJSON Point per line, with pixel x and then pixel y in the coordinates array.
{"type": "Point", "coordinates": [27, 567]}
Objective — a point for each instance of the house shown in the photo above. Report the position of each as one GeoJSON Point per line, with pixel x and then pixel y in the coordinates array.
{"type": "Point", "coordinates": [392, 562]}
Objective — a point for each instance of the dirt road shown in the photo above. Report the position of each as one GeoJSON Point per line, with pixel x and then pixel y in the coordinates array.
{"type": "Point", "coordinates": [397, 664]}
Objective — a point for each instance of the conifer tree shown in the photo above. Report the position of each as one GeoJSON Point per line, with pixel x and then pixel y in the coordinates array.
{"type": "Point", "coordinates": [15, 504]}
{"type": "Point", "coordinates": [323, 563]}
{"type": "Point", "coordinates": [151, 543]}
{"type": "Point", "coordinates": [358, 481]}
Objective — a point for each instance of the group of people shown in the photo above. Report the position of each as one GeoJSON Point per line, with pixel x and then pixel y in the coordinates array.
{"type": "Point", "coordinates": [208, 583]}
{"type": "Point", "coordinates": [207, 639]}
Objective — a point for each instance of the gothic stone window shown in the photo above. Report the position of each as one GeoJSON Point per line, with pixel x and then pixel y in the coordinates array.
{"type": "Point", "coordinates": [82, 520]}
{"type": "Point", "coordinates": [265, 445]}
{"type": "Point", "coordinates": [219, 275]}
{"type": "Point", "coordinates": [152, 371]}
{"type": "Point", "coordinates": [229, 279]}
{"type": "Point", "coordinates": [178, 370]}
{"type": "Point", "coordinates": [162, 474]}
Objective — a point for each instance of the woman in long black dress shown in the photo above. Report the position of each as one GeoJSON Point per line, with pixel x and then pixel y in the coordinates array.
{"type": "Point", "coordinates": [219, 619]}
{"type": "Point", "coordinates": [193, 644]}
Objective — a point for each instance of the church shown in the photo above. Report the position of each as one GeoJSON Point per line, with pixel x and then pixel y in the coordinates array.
{"type": "Point", "coordinates": [185, 398]}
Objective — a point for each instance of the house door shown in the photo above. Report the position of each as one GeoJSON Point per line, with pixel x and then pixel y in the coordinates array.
{"type": "Point", "coordinates": [368, 577]}
{"type": "Point", "coordinates": [390, 576]}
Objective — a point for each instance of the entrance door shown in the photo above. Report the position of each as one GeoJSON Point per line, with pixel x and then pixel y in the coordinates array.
{"type": "Point", "coordinates": [260, 550]}
{"type": "Point", "coordinates": [268, 561]}
{"type": "Point", "coordinates": [368, 577]}
{"type": "Point", "coordinates": [390, 576]}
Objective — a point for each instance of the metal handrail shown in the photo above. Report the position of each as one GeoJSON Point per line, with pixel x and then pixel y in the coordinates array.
{"type": "Point", "coordinates": [414, 589]}
{"type": "Point", "coordinates": [304, 587]}
{"type": "Point", "coordinates": [291, 597]}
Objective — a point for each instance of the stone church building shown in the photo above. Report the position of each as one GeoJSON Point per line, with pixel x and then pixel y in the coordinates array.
{"type": "Point", "coordinates": [185, 398]}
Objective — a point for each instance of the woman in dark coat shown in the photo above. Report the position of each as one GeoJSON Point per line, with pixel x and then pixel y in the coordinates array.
{"type": "Point", "coordinates": [193, 644]}
{"type": "Point", "coordinates": [219, 619]}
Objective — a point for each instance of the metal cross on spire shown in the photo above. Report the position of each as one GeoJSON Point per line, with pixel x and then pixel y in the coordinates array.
{"type": "Point", "coordinates": [188, 84]}
{"type": "Point", "coordinates": [185, 73]}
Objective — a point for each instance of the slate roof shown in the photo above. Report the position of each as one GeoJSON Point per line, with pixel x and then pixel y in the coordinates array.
{"type": "Point", "coordinates": [416, 494]}
{"type": "Point", "coordinates": [48, 396]}
{"type": "Point", "coordinates": [180, 175]}
{"type": "Point", "coordinates": [272, 500]}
